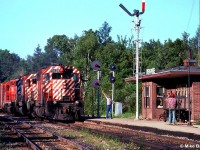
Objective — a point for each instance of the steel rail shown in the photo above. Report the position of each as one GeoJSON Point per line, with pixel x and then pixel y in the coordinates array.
{"type": "Point", "coordinates": [35, 146]}
{"type": "Point", "coordinates": [60, 137]}
{"type": "Point", "coordinates": [27, 140]}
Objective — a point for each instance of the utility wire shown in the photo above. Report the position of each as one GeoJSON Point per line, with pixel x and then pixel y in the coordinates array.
{"type": "Point", "coordinates": [191, 11]}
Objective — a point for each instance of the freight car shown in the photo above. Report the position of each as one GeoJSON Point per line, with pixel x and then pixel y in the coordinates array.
{"type": "Point", "coordinates": [54, 92]}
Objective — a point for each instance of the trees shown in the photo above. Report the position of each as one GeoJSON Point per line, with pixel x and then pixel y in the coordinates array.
{"type": "Point", "coordinates": [104, 34]}
{"type": "Point", "coordinates": [162, 56]}
{"type": "Point", "coordinates": [87, 45]}
{"type": "Point", "coordinates": [37, 61]}
{"type": "Point", "coordinates": [193, 44]}
{"type": "Point", "coordinates": [98, 45]}
{"type": "Point", "coordinates": [9, 66]}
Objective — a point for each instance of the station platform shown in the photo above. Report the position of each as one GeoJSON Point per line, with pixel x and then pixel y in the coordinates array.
{"type": "Point", "coordinates": [180, 129]}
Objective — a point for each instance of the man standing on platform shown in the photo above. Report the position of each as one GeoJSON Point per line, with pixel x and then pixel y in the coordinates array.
{"type": "Point", "coordinates": [109, 105]}
{"type": "Point", "coordinates": [172, 108]}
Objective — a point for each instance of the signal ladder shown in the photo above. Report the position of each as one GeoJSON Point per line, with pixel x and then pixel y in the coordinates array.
{"type": "Point", "coordinates": [139, 64]}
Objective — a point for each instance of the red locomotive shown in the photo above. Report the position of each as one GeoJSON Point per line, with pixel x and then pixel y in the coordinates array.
{"type": "Point", "coordinates": [54, 92]}
{"type": "Point", "coordinates": [8, 96]}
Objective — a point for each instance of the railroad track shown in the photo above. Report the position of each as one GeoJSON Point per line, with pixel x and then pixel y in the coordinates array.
{"type": "Point", "coordinates": [38, 138]}
{"type": "Point", "coordinates": [127, 135]}
{"type": "Point", "coordinates": [148, 139]}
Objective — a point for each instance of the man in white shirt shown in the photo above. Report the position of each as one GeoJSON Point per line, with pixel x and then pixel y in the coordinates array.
{"type": "Point", "coordinates": [109, 105]}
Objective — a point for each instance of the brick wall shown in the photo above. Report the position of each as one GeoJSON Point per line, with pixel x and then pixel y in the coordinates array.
{"type": "Point", "coordinates": [152, 112]}
{"type": "Point", "coordinates": [195, 98]}
{"type": "Point", "coordinates": [147, 113]}
{"type": "Point", "coordinates": [157, 112]}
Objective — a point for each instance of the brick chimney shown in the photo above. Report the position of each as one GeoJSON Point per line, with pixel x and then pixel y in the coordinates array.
{"type": "Point", "coordinates": [189, 62]}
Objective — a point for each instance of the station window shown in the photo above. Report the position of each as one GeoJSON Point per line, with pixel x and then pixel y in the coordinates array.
{"type": "Point", "coordinates": [159, 96]}
{"type": "Point", "coordinates": [147, 97]}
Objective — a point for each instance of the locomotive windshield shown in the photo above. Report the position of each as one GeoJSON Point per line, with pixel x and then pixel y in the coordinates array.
{"type": "Point", "coordinates": [56, 76]}
{"type": "Point", "coordinates": [67, 74]}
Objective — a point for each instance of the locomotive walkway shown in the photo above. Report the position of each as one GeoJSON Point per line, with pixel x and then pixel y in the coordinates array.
{"type": "Point", "coordinates": [181, 129]}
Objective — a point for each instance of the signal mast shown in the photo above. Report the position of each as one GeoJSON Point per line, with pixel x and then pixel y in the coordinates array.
{"type": "Point", "coordinates": [137, 22]}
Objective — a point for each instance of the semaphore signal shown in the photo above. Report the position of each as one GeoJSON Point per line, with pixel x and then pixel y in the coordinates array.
{"type": "Point", "coordinates": [135, 12]}
{"type": "Point", "coordinates": [137, 22]}
{"type": "Point", "coordinates": [143, 6]}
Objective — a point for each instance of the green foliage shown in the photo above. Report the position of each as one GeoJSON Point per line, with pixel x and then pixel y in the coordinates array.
{"type": "Point", "coordinates": [37, 61]}
{"type": "Point", "coordinates": [163, 56]}
{"type": "Point", "coordinates": [126, 115]}
{"type": "Point", "coordinates": [9, 65]}
{"type": "Point", "coordinates": [104, 34]}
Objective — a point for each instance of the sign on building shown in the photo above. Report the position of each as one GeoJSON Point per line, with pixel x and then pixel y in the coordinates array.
{"type": "Point", "coordinates": [150, 71]}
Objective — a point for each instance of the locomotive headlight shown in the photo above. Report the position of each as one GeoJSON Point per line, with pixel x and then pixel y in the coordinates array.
{"type": "Point", "coordinates": [77, 102]}
{"type": "Point", "coordinates": [54, 102]}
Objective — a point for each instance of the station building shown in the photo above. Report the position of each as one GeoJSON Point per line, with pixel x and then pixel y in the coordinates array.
{"type": "Point", "coordinates": [183, 81]}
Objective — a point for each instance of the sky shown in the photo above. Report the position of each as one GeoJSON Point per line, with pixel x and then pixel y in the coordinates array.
{"type": "Point", "coordinates": [27, 23]}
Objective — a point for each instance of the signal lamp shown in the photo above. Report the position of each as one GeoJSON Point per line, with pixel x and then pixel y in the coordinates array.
{"type": "Point", "coordinates": [112, 79]}
{"type": "Point", "coordinates": [112, 67]}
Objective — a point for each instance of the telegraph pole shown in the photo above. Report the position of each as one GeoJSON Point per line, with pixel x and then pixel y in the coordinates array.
{"type": "Point", "coordinates": [112, 81]}
{"type": "Point", "coordinates": [137, 28]}
{"type": "Point", "coordinates": [96, 83]}
{"type": "Point", "coordinates": [98, 94]}
{"type": "Point", "coordinates": [113, 88]}
{"type": "Point", "coordinates": [189, 100]}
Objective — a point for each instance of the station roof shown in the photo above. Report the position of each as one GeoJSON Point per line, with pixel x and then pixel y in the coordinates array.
{"type": "Point", "coordinates": [176, 72]}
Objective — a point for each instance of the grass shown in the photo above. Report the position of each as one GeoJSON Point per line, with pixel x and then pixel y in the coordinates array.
{"type": "Point", "coordinates": [198, 122]}
{"type": "Point", "coordinates": [105, 142]}
{"type": "Point", "coordinates": [124, 115]}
